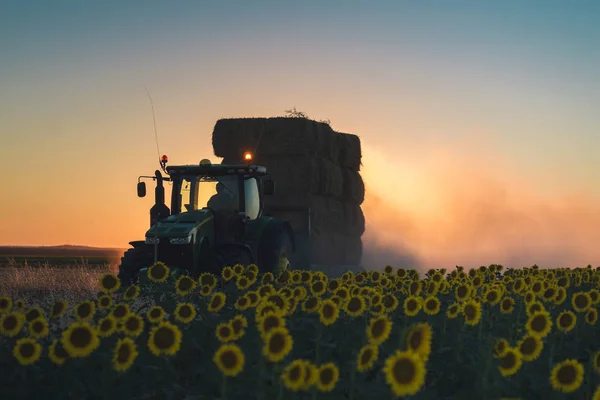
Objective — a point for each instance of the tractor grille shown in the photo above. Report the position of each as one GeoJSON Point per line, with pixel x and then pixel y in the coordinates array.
{"type": "Point", "coordinates": [180, 256]}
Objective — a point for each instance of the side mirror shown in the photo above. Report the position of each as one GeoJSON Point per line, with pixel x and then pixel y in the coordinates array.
{"type": "Point", "coordinates": [141, 189]}
{"type": "Point", "coordinates": [269, 187]}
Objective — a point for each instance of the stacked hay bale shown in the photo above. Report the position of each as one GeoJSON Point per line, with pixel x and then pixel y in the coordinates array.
{"type": "Point", "coordinates": [312, 166]}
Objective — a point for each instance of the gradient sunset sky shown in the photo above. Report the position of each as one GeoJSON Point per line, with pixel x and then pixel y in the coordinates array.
{"type": "Point", "coordinates": [479, 120]}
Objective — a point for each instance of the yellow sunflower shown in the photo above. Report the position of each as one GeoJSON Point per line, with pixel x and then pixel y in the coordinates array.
{"type": "Point", "coordinates": [131, 293]}
{"type": "Point", "coordinates": [5, 304]}
{"type": "Point", "coordinates": [268, 322]}
{"type": "Point", "coordinates": [278, 343]}
{"type": "Point", "coordinates": [155, 314]}
{"type": "Point", "coordinates": [57, 353]}
{"type": "Point", "coordinates": [85, 310]}
{"type": "Point", "coordinates": [185, 312]}
{"type": "Point", "coordinates": [471, 310]}
{"type": "Point", "coordinates": [34, 313]}
{"type": "Point", "coordinates": [565, 321]}
{"type": "Point", "coordinates": [11, 323]}
{"type": "Point", "coordinates": [591, 316]}
{"type": "Point", "coordinates": [58, 309]}
{"type": "Point", "coordinates": [500, 347]}
{"type": "Point", "coordinates": [418, 340]}
{"type": "Point", "coordinates": [412, 305]}
{"type": "Point", "coordinates": [106, 326]}
{"type": "Point", "coordinates": [227, 273]}
{"type": "Point", "coordinates": [158, 272]}
{"type": "Point", "coordinates": [539, 324]}
{"type": "Point", "coordinates": [184, 285]}
{"type": "Point", "coordinates": [404, 373]}
{"type": "Point", "coordinates": [431, 305]}
{"type": "Point", "coordinates": [80, 339]}
{"type": "Point", "coordinates": [567, 376]}
{"type": "Point", "coordinates": [581, 301]}
{"type": "Point", "coordinates": [109, 283]}
{"type": "Point", "coordinates": [165, 339]}
{"type": "Point", "coordinates": [379, 329]}
{"type": "Point", "coordinates": [124, 355]}
{"type": "Point", "coordinates": [230, 359]}
{"type": "Point", "coordinates": [217, 301]}
{"type": "Point", "coordinates": [105, 301]}
{"type": "Point", "coordinates": [355, 306]}
{"type": "Point", "coordinates": [225, 332]}
{"type": "Point", "coordinates": [507, 305]}
{"type": "Point", "coordinates": [367, 356]}
{"type": "Point", "coordinates": [453, 310]}
{"type": "Point", "coordinates": [294, 375]}
{"type": "Point", "coordinates": [311, 304]}
{"type": "Point", "coordinates": [327, 377]}
{"type": "Point", "coordinates": [510, 362]}
{"type": "Point", "coordinates": [27, 351]}
{"type": "Point", "coordinates": [133, 325]}
{"type": "Point", "coordinates": [329, 312]}
{"type": "Point", "coordinates": [530, 347]}
{"type": "Point", "coordinates": [38, 328]}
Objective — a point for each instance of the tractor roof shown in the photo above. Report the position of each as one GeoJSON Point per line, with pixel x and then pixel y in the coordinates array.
{"type": "Point", "coordinates": [218, 169]}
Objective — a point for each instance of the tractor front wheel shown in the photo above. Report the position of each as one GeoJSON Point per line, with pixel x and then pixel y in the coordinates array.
{"type": "Point", "coordinates": [132, 262]}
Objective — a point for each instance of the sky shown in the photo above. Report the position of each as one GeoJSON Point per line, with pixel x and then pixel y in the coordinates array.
{"type": "Point", "coordinates": [478, 120]}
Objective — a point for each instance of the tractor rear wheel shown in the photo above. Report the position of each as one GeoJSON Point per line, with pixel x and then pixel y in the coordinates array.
{"type": "Point", "coordinates": [276, 250]}
{"type": "Point", "coordinates": [132, 261]}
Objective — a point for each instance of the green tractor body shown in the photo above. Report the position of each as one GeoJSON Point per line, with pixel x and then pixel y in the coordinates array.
{"type": "Point", "coordinates": [216, 218]}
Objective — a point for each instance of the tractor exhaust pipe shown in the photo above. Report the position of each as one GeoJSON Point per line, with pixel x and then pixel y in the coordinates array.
{"type": "Point", "coordinates": [159, 210]}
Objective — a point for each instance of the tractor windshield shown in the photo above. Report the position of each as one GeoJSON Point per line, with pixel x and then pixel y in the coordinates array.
{"type": "Point", "coordinates": [197, 192]}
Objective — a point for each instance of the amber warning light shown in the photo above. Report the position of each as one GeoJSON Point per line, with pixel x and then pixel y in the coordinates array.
{"type": "Point", "coordinates": [164, 159]}
{"type": "Point", "coordinates": [248, 156]}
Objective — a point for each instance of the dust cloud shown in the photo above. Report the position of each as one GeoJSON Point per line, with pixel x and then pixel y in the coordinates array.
{"type": "Point", "coordinates": [445, 208]}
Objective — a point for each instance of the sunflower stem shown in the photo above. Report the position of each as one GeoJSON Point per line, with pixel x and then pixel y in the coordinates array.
{"type": "Point", "coordinates": [224, 387]}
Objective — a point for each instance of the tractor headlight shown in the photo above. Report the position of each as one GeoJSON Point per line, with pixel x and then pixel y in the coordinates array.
{"type": "Point", "coordinates": [152, 240]}
{"type": "Point", "coordinates": [181, 240]}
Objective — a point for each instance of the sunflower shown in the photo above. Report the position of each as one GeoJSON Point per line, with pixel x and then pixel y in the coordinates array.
{"type": "Point", "coordinates": [311, 304]}
{"type": "Point", "coordinates": [185, 312]}
{"type": "Point", "coordinates": [165, 339]}
{"type": "Point", "coordinates": [507, 305]}
{"type": "Point", "coordinates": [264, 308]}
{"type": "Point", "coordinates": [206, 290]}
{"type": "Point", "coordinates": [318, 288]}
{"type": "Point", "coordinates": [415, 287]}
{"type": "Point", "coordinates": [58, 309]}
{"type": "Point", "coordinates": [109, 283]}
{"type": "Point", "coordinates": [566, 321]}
{"type": "Point", "coordinates": [133, 325]}
{"type": "Point", "coordinates": [539, 324]}
{"type": "Point", "coordinates": [57, 352]}
{"type": "Point", "coordinates": [412, 305]}
{"type": "Point", "coordinates": [278, 343]}
{"type": "Point", "coordinates": [367, 356]}
{"type": "Point", "coordinates": [329, 312]}
{"type": "Point", "coordinates": [80, 339]}
{"type": "Point", "coordinates": [38, 328]}
{"type": "Point", "coordinates": [453, 310]}
{"type": "Point", "coordinates": [510, 362]}
{"type": "Point", "coordinates": [230, 359]}
{"type": "Point", "coordinates": [242, 282]}
{"type": "Point", "coordinates": [184, 285]}
{"type": "Point", "coordinates": [238, 323]}
{"type": "Point", "coordinates": [529, 297]}
{"type": "Point", "coordinates": [267, 277]}
{"type": "Point", "coordinates": [581, 301]}
{"type": "Point", "coordinates": [471, 310]}
{"type": "Point", "coordinates": [158, 272]}
{"type": "Point", "coordinates": [225, 332]}
{"type": "Point", "coordinates": [591, 316]}
{"type": "Point", "coordinates": [5, 304]}
{"type": "Point", "coordinates": [253, 298]}
{"type": "Point", "coordinates": [85, 310]}
{"type": "Point", "coordinates": [418, 340]}
{"type": "Point", "coordinates": [120, 311]}
{"type": "Point", "coordinates": [333, 285]}
{"type": "Point", "coordinates": [227, 273]}
{"type": "Point", "coordinates": [131, 293]}
{"type": "Point", "coordinates": [567, 376]}
{"type": "Point", "coordinates": [106, 326]}
{"type": "Point", "coordinates": [596, 362]}
{"type": "Point", "coordinates": [462, 292]}
{"type": "Point", "coordinates": [242, 303]}
{"type": "Point", "coordinates": [238, 269]}
{"type": "Point", "coordinates": [379, 329]}
{"type": "Point", "coordinates": [105, 301]}
{"type": "Point", "coordinates": [355, 306]}
{"type": "Point", "coordinates": [155, 314]}
{"type": "Point", "coordinates": [34, 313]}
{"type": "Point", "coordinates": [431, 305]}
{"type": "Point", "coordinates": [269, 321]}
{"type": "Point", "coordinates": [124, 355]}
{"type": "Point", "coordinates": [11, 323]}
{"type": "Point", "coordinates": [327, 377]}
{"type": "Point", "coordinates": [594, 296]}
{"type": "Point", "coordinates": [217, 301]}
{"type": "Point", "coordinates": [493, 296]}
{"type": "Point", "coordinates": [404, 373]}
{"type": "Point", "coordinates": [294, 375]}
{"type": "Point", "coordinates": [310, 374]}
{"type": "Point", "coordinates": [530, 347]}
{"type": "Point", "coordinates": [20, 304]}
{"type": "Point", "coordinates": [342, 292]}
{"type": "Point", "coordinates": [500, 347]}
{"type": "Point", "coordinates": [27, 351]}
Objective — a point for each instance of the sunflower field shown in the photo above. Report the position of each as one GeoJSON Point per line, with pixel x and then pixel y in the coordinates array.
{"type": "Point", "coordinates": [485, 333]}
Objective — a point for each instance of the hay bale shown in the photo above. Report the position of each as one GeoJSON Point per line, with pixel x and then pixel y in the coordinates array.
{"type": "Point", "coordinates": [353, 187]}
{"type": "Point", "coordinates": [278, 136]}
{"type": "Point", "coordinates": [299, 175]}
{"type": "Point", "coordinates": [327, 214]}
{"type": "Point", "coordinates": [350, 151]}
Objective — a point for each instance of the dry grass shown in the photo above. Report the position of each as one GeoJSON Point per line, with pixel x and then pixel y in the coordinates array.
{"type": "Point", "coordinates": [44, 284]}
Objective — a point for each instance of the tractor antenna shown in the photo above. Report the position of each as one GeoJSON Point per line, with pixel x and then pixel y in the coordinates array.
{"type": "Point", "coordinates": [162, 161]}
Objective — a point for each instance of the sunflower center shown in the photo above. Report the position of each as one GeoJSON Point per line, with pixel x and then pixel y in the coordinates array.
{"type": "Point", "coordinates": [237, 325]}
{"type": "Point", "coordinates": [462, 291]}
{"type": "Point", "coordinates": [185, 312]}
{"type": "Point", "coordinates": [328, 311]}
{"type": "Point", "coordinates": [415, 339]}
{"type": "Point", "coordinates": [158, 272]}
{"type": "Point", "coordinates": [431, 304]}
{"type": "Point", "coordinates": [132, 324]}
{"type": "Point", "coordinates": [32, 314]}
{"type": "Point", "coordinates": [295, 373]}
{"type": "Point", "coordinates": [155, 313]}
{"type": "Point", "coordinates": [565, 320]}
{"type": "Point", "coordinates": [225, 332]}
{"type": "Point", "coordinates": [411, 305]}
{"type": "Point", "coordinates": [10, 323]}
{"type": "Point", "coordinates": [37, 326]}
{"type": "Point", "coordinates": [378, 328]}
{"type": "Point", "coordinates": [185, 284]}
{"type": "Point", "coordinates": [366, 356]}
{"type": "Point", "coordinates": [509, 360]}
{"type": "Point", "coordinates": [27, 350]}
{"type": "Point", "coordinates": [164, 338]}
{"type": "Point", "coordinates": [538, 323]}
{"type": "Point", "coordinates": [109, 282]}
{"type": "Point", "coordinates": [566, 374]}
{"type": "Point", "coordinates": [581, 301]}
{"type": "Point", "coordinates": [123, 354]}
{"type": "Point", "coordinates": [105, 301]}
{"type": "Point", "coordinates": [469, 312]}
{"type": "Point", "coordinates": [354, 304]}
{"type": "Point", "coordinates": [528, 346]}
{"type": "Point", "coordinates": [326, 376]}
{"type": "Point", "coordinates": [120, 312]}
{"type": "Point", "coordinates": [83, 310]}
{"type": "Point", "coordinates": [81, 337]}
{"type": "Point", "coordinates": [318, 286]}
{"type": "Point", "coordinates": [106, 325]}
{"type": "Point", "coordinates": [404, 371]}
{"type": "Point", "coordinates": [60, 351]}
{"type": "Point", "coordinates": [3, 303]}
{"type": "Point", "coordinates": [277, 343]}
{"type": "Point", "coordinates": [229, 359]}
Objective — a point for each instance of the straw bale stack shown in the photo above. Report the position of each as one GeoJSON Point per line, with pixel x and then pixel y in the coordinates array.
{"type": "Point", "coordinates": [312, 166]}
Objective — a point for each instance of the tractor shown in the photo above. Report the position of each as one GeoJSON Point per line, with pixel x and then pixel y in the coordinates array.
{"type": "Point", "coordinates": [216, 218]}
